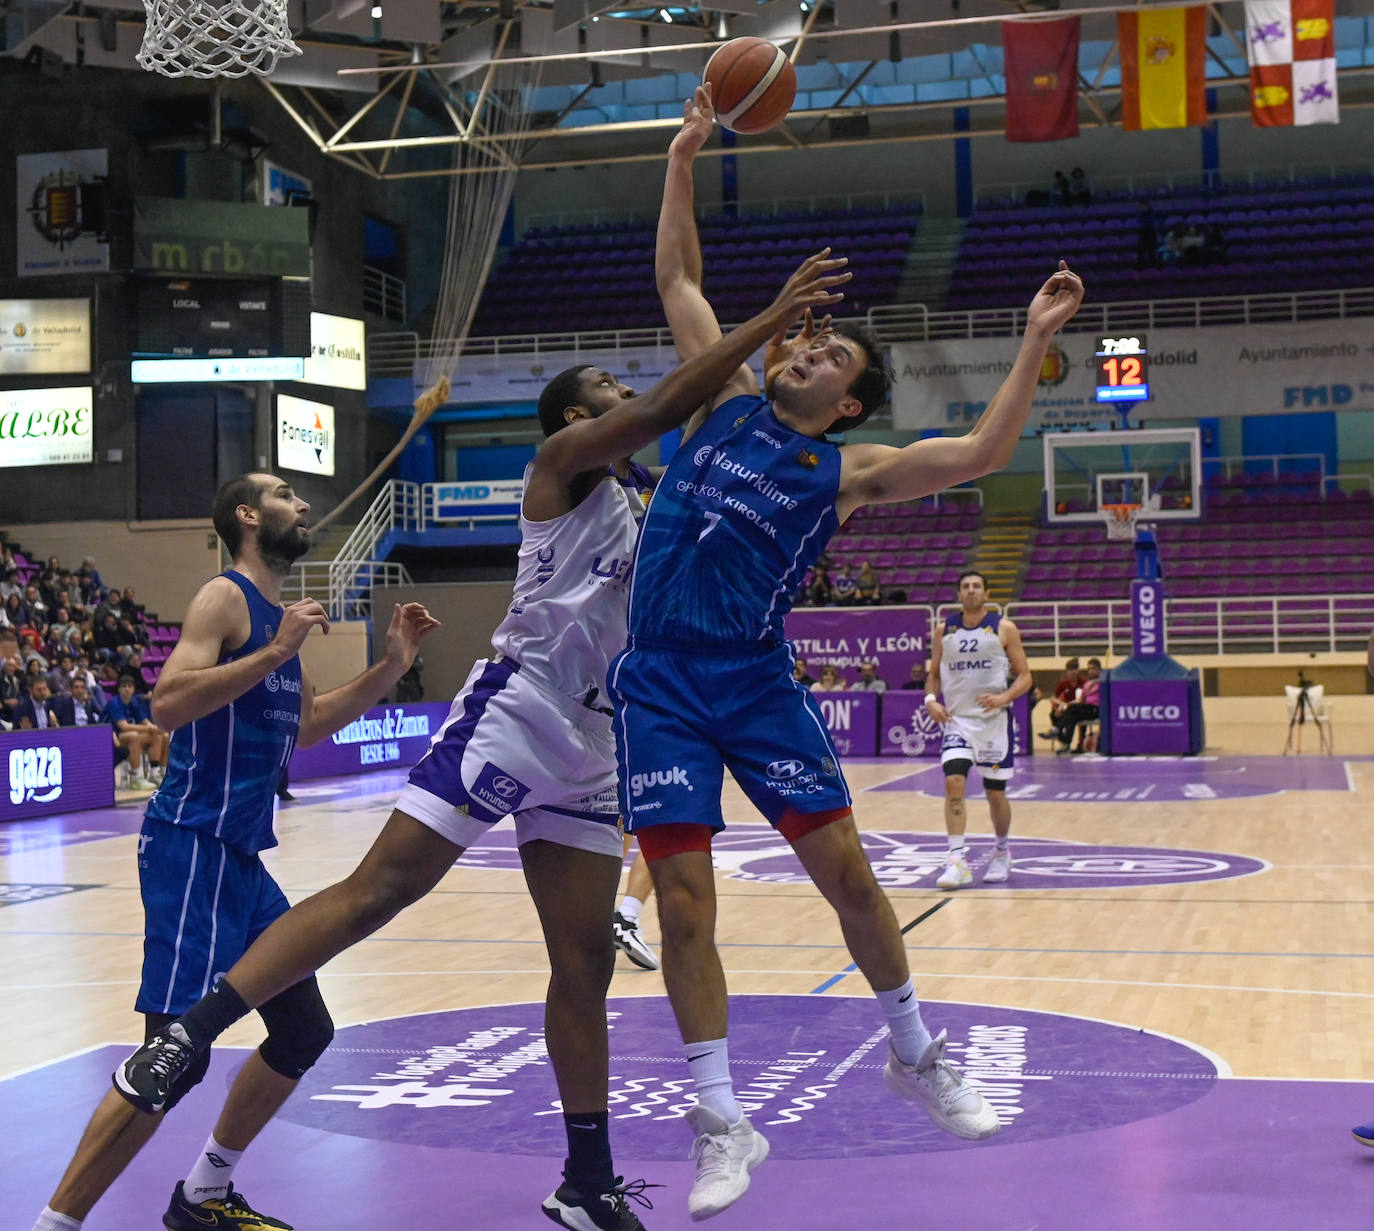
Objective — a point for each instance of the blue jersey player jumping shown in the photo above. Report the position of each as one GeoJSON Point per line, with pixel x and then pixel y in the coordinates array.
{"type": "Point", "coordinates": [237, 702]}
{"type": "Point", "coordinates": [706, 681]}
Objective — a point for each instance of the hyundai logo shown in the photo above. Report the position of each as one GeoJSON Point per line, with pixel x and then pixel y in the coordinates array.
{"type": "Point", "coordinates": [505, 787]}
{"type": "Point", "coordinates": [784, 769]}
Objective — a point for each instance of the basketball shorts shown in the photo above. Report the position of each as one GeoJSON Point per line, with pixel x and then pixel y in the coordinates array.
{"type": "Point", "coordinates": [986, 741]}
{"type": "Point", "coordinates": [204, 903]}
{"type": "Point", "coordinates": [511, 747]}
{"type": "Point", "coordinates": [682, 718]}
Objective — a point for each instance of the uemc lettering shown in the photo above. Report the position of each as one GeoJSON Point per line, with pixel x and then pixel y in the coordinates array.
{"type": "Point", "coordinates": [1149, 713]}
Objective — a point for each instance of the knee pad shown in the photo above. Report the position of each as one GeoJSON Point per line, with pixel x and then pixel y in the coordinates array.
{"type": "Point", "coordinates": [299, 1029]}
{"type": "Point", "coordinates": [193, 1076]}
{"type": "Point", "coordinates": [959, 767]}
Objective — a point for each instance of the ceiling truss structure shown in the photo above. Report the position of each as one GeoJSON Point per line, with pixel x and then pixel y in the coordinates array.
{"type": "Point", "coordinates": [395, 107]}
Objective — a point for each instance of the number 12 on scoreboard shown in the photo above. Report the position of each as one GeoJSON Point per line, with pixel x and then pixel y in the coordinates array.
{"type": "Point", "coordinates": [1123, 373]}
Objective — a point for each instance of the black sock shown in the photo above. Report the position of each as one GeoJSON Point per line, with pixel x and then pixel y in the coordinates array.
{"type": "Point", "coordinates": [213, 1014]}
{"type": "Point", "coordinates": [589, 1168]}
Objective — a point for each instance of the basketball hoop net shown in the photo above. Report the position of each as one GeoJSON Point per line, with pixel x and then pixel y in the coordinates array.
{"type": "Point", "coordinates": [215, 38]}
{"type": "Point", "coordinates": [1121, 519]}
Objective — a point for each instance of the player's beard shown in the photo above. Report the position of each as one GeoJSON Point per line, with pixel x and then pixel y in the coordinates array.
{"type": "Point", "coordinates": [282, 546]}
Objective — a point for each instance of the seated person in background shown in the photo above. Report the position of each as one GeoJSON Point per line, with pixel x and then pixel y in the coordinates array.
{"type": "Point", "coordinates": [1083, 710]}
{"type": "Point", "coordinates": [79, 709]}
{"type": "Point", "coordinates": [831, 680]}
{"type": "Point", "coordinates": [869, 591]}
{"type": "Point", "coordinates": [868, 680]}
{"type": "Point", "coordinates": [133, 665]}
{"type": "Point", "coordinates": [917, 682]}
{"type": "Point", "coordinates": [60, 676]}
{"type": "Point", "coordinates": [9, 583]}
{"type": "Point", "coordinates": [801, 674]}
{"type": "Point", "coordinates": [107, 640]}
{"type": "Point", "coordinates": [134, 728]}
{"type": "Point", "coordinates": [1060, 188]}
{"type": "Point", "coordinates": [1064, 693]}
{"type": "Point", "coordinates": [11, 680]}
{"type": "Point", "coordinates": [35, 711]}
{"type": "Point", "coordinates": [844, 588]}
{"type": "Point", "coordinates": [1079, 191]}
{"type": "Point", "coordinates": [821, 593]}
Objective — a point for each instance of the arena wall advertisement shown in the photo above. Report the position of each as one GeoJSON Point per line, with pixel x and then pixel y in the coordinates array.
{"type": "Point", "coordinates": [385, 737]}
{"type": "Point", "coordinates": [1148, 717]}
{"type": "Point", "coordinates": [61, 769]}
{"type": "Point", "coordinates": [891, 637]}
{"type": "Point", "coordinates": [907, 730]}
{"type": "Point", "coordinates": [852, 718]}
{"type": "Point", "coordinates": [1270, 369]}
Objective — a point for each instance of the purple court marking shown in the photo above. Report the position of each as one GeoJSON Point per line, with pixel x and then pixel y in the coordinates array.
{"type": "Point", "coordinates": [904, 860]}
{"type": "Point", "coordinates": [808, 1071]}
{"type": "Point", "coordinates": [1207, 1164]}
{"type": "Point", "coordinates": [1148, 780]}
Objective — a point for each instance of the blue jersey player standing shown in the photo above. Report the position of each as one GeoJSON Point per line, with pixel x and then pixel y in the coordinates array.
{"type": "Point", "coordinates": [706, 681]}
{"type": "Point", "coordinates": [235, 697]}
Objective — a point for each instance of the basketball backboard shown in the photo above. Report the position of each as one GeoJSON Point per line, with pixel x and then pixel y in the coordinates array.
{"type": "Point", "coordinates": [1160, 468]}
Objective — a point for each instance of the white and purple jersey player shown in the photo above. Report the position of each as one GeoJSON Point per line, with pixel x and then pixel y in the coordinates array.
{"type": "Point", "coordinates": [974, 663]}
{"type": "Point", "coordinates": [529, 733]}
{"type": "Point", "coordinates": [744, 509]}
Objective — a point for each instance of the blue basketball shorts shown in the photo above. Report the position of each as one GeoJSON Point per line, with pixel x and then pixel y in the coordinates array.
{"type": "Point", "coordinates": [204, 903]}
{"type": "Point", "coordinates": [683, 718]}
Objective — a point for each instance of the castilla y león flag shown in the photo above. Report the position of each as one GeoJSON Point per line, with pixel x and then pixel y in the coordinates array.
{"type": "Point", "coordinates": [1041, 65]}
{"type": "Point", "coordinates": [1292, 62]}
{"type": "Point", "coordinates": [1163, 67]}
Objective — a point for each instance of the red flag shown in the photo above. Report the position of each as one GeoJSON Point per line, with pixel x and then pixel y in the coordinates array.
{"type": "Point", "coordinates": [1041, 65]}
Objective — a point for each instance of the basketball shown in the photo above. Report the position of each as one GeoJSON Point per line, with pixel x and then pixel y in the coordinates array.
{"type": "Point", "coordinates": [753, 84]}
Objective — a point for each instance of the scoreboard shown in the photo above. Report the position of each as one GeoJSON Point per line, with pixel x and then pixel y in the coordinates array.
{"type": "Point", "coordinates": [1123, 373]}
{"type": "Point", "coordinates": [208, 318]}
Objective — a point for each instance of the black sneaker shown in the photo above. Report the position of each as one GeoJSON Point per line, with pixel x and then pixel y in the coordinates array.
{"type": "Point", "coordinates": [146, 1078]}
{"type": "Point", "coordinates": [231, 1211]}
{"type": "Point", "coordinates": [603, 1211]}
{"type": "Point", "coordinates": [631, 943]}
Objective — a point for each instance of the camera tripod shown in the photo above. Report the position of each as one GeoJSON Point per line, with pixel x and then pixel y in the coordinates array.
{"type": "Point", "coordinates": [1305, 711]}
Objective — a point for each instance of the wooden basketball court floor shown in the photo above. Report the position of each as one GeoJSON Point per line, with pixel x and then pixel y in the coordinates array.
{"type": "Point", "coordinates": [1170, 1003]}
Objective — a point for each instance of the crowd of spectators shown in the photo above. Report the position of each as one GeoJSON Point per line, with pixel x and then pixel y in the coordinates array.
{"type": "Point", "coordinates": [67, 642]}
{"type": "Point", "coordinates": [837, 585]}
{"type": "Point", "coordinates": [833, 680]}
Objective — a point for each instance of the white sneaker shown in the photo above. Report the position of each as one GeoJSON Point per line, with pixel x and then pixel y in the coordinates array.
{"type": "Point", "coordinates": [123, 776]}
{"type": "Point", "coordinates": [138, 782]}
{"type": "Point", "coordinates": [631, 943]}
{"type": "Point", "coordinates": [953, 1104]}
{"type": "Point", "coordinates": [999, 867]}
{"type": "Point", "coordinates": [725, 1154]}
{"type": "Point", "coordinates": [956, 874]}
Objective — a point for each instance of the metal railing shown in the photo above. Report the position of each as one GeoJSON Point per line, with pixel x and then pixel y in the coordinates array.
{"type": "Point", "coordinates": [395, 354]}
{"type": "Point", "coordinates": [744, 209]}
{"type": "Point", "coordinates": [384, 294]}
{"type": "Point", "coordinates": [1273, 462]}
{"type": "Point", "coordinates": [1289, 623]}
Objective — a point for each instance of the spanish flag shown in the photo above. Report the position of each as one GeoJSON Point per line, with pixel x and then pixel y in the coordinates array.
{"type": "Point", "coordinates": [1163, 70]}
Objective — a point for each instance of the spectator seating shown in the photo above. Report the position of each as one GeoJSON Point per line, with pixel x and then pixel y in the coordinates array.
{"type": "Point", "coordinates": [1299, 234]}
{"type": "Point", "coordinates": [583, 278]}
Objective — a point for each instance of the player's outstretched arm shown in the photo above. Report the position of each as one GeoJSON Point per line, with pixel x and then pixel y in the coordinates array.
{"type": "Point", "coordinates": [677, 252]}
{"type": "Point", "coordinates": [593, 443]}
{"type": "Point", "coordinates": [331, 711]}
{"type": "Point", "coordinates": [881, 474]}
{"type": "Point", "coordinates": [193, 681]}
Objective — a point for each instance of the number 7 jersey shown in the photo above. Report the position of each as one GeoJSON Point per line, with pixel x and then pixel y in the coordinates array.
{"type": "Point", "coordinates": [745, 508]}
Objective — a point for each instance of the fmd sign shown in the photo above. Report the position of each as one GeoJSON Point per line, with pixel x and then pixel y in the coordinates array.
{"type": "Point", "coordinates": [480, 500]}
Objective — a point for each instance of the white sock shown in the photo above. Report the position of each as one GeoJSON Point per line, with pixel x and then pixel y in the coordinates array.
{"type": "Point", "coordinates": [910, 1037]}
{"type": "Point", "coordinates": [630, 908]}
{"type": "Point", "coordinates": [709, 1064]}
{"type": "Point", "coordinates": [209, 1178]}
{"type": "Point", "coordinates": [1002, 842]}
{"type": "Point", "coordinates": [956, 842]}
{"type": "Point", "coordinates": [51, 1220]}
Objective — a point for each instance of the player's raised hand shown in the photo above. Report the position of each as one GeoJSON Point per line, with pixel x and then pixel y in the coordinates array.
{"type": "Point", "coordinates": [781, 349]}
{"type": "Point", "coordinates": [698, 118]}
{"type": "Point", "coordinates": [1056, 302]}
{"type": "Point", "coordinates": [812, 286]}
{"type": "Point", "coordinates": [296, 622]}
{"type": "Point", "coordinates": [410, 625]}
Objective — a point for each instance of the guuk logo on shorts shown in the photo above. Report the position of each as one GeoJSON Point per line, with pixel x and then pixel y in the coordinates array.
{"type": "Point", "coordinates": [677, 776]}
{"type": "Point", "coordinates": [784, 769]}
{"type": "Point", "coordinates": [497, 789]}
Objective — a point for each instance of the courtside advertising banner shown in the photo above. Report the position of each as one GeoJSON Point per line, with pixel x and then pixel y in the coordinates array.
{"type": "Point", "coordinates": [1149, 717]}
{"type": "Point", "coordinates": [60, 216]}
{"type": "Point", "coordinates": [1271, 369]}
{"type": "Point", "coordinates": [45, 427]}
{"type": "Point", "coordinates": [844, 637]}
{"type": "Point", "coordinates": [43, 336]}
{"type": "Point", "coordinates": [338, 352]}
{"type": "Point", "coordinates": [60, 769]}
{"type": "Point", "coordinates": [305, 435]}
{"type": "Point", "coordinates": [480, 500]}
{"type": "Point", "coordinates": [386, 737]}
{"type": "Point", "coordinates": [852, 718]}
{"type": "Point", "coordinates": [906, 728]}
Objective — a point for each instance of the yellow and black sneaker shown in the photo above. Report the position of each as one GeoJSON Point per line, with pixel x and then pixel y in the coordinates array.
{"type": "Point", "coordinates": [220, 1214]}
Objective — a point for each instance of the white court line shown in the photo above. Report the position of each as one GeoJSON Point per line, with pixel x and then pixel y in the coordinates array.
{"type": "Point", "coordinates": [71, 1055]}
